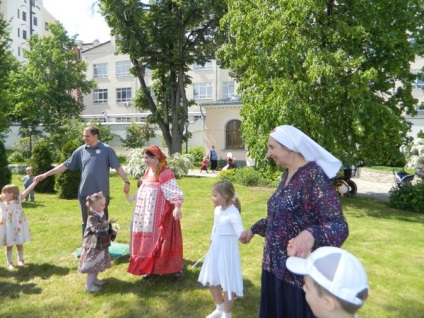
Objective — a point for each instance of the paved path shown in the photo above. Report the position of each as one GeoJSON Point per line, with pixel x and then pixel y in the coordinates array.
{"type": "Point", "coordinates": [370, 184]}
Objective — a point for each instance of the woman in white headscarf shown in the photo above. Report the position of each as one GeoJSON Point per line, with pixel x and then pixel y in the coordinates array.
{"type": "Point", "coordinates": [303, 214]}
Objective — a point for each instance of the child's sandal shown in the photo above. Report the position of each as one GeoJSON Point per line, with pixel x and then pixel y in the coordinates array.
{"type": "Point", "coordinates": [21, 264]}
{"type": "Point", "coordinates": [11, 266]}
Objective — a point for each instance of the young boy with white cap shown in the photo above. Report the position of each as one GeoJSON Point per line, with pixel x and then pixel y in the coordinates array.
{"type": "Point", "coordinates": [336, 284]}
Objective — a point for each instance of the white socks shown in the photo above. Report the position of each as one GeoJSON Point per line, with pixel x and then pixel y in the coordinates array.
{"type": "Point", "coordinates": [9, 257]}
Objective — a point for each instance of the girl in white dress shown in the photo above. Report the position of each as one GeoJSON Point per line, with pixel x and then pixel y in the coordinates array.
{"type": "Point", "coordinates": [14, 229]}
{"type": "Point", "coordinates": [221, 270]}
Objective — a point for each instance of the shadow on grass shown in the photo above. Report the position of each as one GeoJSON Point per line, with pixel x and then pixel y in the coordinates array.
{"type": "Point", "coordinates": [361, 207]}
{"type": "Point", "coordinates": [30, 271]}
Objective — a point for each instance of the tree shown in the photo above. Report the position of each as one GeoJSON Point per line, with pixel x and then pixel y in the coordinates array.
{"type": "Point", "coordinates": [41, 162]}
{"type": "Point", "coordinates": [5, 173]}
{"type": "Point", "coordinates": [136, 136]}
{"type": "Point", "coordinates": [331, 68]}
{"type": "Point", "coordinates": [166, 37]}
{"type": "Point", "coordinates": [49, 87]}
{"type": "Point", "coordinates": [67, 182]}
{"type": "Point", "coordinates": [7, 64]}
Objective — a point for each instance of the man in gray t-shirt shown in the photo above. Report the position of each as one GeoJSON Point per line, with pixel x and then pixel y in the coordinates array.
{"type": "Point", "coordinates": [94, 159]}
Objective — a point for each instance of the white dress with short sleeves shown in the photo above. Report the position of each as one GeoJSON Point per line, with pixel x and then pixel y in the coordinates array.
{"type": "Point", "coordinates": [222, 265]}
{"type": "Point", "coordinates": [14, 229]}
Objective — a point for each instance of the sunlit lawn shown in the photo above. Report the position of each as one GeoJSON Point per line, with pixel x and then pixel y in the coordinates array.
{"type": "Point", "coordinates": [389, 242]}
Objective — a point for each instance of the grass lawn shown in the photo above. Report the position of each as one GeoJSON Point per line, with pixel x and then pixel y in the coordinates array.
{"type": "Point", "coordinates": [389, 242]}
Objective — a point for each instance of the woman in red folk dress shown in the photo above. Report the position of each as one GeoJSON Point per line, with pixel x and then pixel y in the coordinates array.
{"type": "Point", "coordinates": [156, 239]}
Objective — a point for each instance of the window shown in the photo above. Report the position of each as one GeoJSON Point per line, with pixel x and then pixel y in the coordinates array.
{"type": "Point", "coordinates": [198, 67]}
{"type": "Point", "coordinates": [202, 91]}
{"type": "Point", "coordinates": [19, 32]}
{"type": "Point", "coordinates": [46, 26]}
{"type": "Point", "coordinates": [24, 15]}
{"type": "Point", "coordinates": [100, 70]}
{"type": "Point", "coordinates": [233, 138]}
{"type": "Point", "coordinates": [227, 89]}
{"type": "Point", "coordinates": [24, 34]}
{"type": "Point", "coordinates": [19, 51]}
{"type": "Point", "coordinates": [19, 14]}
{"type": "Point", "coordinates": [418, 83]}
{"type": "Point", "coordinates": [100, 96]}
{"type": "Point", "coordinates": [123, 68]}
{"type": "Point", "coordinates": [123, 94]}
{"type": "Point", "coordinates": [35, 21]}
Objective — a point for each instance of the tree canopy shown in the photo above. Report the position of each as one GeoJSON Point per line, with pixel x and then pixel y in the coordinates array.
{"type": "Point", "coordinates": [166, 37]}
{"type": "Point", "coordinates": [7, 63]}
{"type": "Point", "coordinates": [330, 68]}
{"type": "Point", "coordinates": [48, 88]}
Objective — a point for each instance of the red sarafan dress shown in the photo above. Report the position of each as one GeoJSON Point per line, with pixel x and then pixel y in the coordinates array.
{"type": "Point", "coordinates": [157, 245]}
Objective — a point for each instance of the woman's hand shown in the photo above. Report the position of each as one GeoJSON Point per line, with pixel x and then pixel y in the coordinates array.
{"type": "Point", "coordinates": [246, 236]}
{"type": "Point", "coordinates": [110, 221]}
{"type": "Point", "coordinates": [301, 245]}
{"type": "Point", "coordinates": [177, 213]}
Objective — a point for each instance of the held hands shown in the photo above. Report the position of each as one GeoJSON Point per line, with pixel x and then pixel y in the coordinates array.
{"type": "Point", "coordinates": [246, 236]}
{"type": "Point", "coordinates": [126, 188]}
{"type": "Point", "coordinates": [40, 177]}
{"type": "Point", "coordinates": [177, 213]}
{"type": "Point", "coordinates": [301, 245]}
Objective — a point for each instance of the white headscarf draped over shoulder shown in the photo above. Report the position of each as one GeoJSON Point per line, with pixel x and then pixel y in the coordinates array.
{"type": "Point", "coordinates": [297, 141]}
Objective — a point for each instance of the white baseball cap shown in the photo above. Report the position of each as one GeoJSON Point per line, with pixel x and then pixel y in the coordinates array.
{"type": "Point", "coordinates": [335, 269]}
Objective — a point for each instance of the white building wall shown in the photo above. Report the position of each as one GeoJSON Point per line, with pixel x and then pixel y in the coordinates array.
{"type": "Point", "coordinates": [24, 19]}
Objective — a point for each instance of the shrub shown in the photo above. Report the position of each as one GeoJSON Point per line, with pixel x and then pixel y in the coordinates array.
{"type": "Point", "coordinates": [179, 164]}
{"type": "Point", "coordinates": [408, 198]}
{"type": "Point", "coordinates": [67, 183]}
{"type": "Point", "coordinates": [16, 156]}
{"type": "Point", "coordinates": [18, 168]}
{"type": "Point", "coordinates": [5, 173]}
{"type": "Point", "coordinates": [41, 161]}
{"type": "Point", "coordinates": [229, 175]}
{"type": "Point", "coordinates": [247, 176]}
{"type": "Point", "coordinates": [197, 152]}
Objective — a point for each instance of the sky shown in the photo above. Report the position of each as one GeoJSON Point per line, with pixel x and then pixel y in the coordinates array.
{"type": "Point", "coordinates": [78, 18]}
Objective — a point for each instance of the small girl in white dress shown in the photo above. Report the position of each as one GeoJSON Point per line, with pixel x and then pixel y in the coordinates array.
{"type": "Point", "coordinates": [14, 229]}
{"type": "Point", "coordinates": [221, 270]}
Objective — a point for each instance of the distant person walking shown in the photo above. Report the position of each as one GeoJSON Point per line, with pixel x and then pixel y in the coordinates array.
{"type": "Point", "coordinates": [213, 157]}
{"type": "Point", "coordinates": [94, 159]}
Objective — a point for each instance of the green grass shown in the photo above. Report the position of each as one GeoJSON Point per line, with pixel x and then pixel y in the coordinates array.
{"type": "Point", "coordinates": [389, 243]}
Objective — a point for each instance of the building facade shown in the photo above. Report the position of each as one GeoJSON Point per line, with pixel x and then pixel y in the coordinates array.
{"type": "Point", "coordinates": [25, 17]}
{"type": "Point", "coordinates": [112, 100]}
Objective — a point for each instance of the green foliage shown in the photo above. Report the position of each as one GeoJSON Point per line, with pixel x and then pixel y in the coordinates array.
{"type": "Point", "coordinates": [408, 198]}
{"type": "Point", "coordinates": [197, 152]}
{"type": "Point", "coordinates": [5, 173]}
{"type": "Point", "coordinates": [41, 161]}
{"type": "Point", "coordinates": [179, 164]}
{"type": "Point", "coordinates": [326, 68]}
{"type": "Point", "coordinates": [420, 134]}
{"type": "Point", "coordinates": [67, 182]}
{"type": "Point", "coordinates": [136, 136]}
{"type": "Point", "coordinates": [249, 176]}
{"type": "Point", "coordinates": [18, 168]}
{"type": "Point", "coordinates": [8, 64]}
{"type": "Point", "coordinates": [167, 37]}
{"type": "Point", "coordinates": [48, 88]}
{"type": "Point", "coordinates": [16, 156]}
